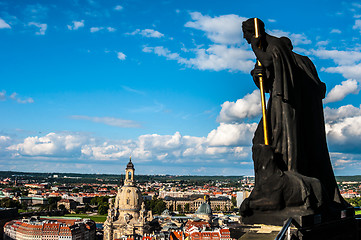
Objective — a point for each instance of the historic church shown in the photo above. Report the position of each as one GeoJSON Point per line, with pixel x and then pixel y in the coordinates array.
{"type": "Point", "coordinates": [127, 216]}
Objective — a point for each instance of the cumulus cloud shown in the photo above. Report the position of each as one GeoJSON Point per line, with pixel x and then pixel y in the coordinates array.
{"type": "Point", "coordinates": [97, 29]}
{"type": "Point", "coordinates": [156, 148]}
{"type": "Point", "coordinates": [106, 151]}
{"type": "Point", "coordinates": [3, 24]}
{"type": "Point", "coordinates": [216, 57]}
{"type": "Point", "coordinates": [247, 107]}
{"type": "Point", "coordinates": [76, 25]}
{"type": "Point", "coordinates": [14, 96]}
{"type": "Point", "coordinates": [337, 114]}
{"type": "Point", "coordinates": [357, 25]}
{"type": "Point", "coordinates": [343, 128]}
{"type": "Point", "coordinates": [296, 38]}
{"type": "Point", "coordinates": [110, 29]}
{"type": "Point", "coordinates": [221, 57]}
{"type": "Point", "coordinates": [232, 134]}
{"type": "Point", "coordinates": [121, 56]}
{"type": "Point", "coordinates": [51, 145]}
{"type": "Point", "coordinates": [42, 27]}
{"type": "Point", "coordinates": [345, 134]}
{"type": "Point", "coordinates": [225, 29]}
{"type": "Point", "coordinates": [339, 57]}
{"type": "Point", "coordinates": [339, 92]}
{"type": "Point", "coordinates": [348, 72]}
{"type": "Point", "coordinates": [3, 95]}
{"type": "Point", "coordinates": [118, 8]}
{"type": "Point", "coordinates": [162, 51]}
{"type": "Point", "coordinates": [149, 33]}
{"type": "Point", "coordinates": [116, 122]}
{"type": "Point", "coordinates": [336, 31]}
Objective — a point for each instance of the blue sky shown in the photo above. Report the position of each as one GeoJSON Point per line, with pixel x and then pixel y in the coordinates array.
{"type": "Point", "coordinates": [85, 84]}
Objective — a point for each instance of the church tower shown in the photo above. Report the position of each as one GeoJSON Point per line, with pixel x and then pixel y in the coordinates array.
{"type": "Point", "coordinates": [129, 174]}
{"type": "Point", "coordinates": [127, 217]}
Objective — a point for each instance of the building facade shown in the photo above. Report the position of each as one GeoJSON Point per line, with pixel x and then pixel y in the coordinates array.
{"type": "Point", "coordinates": [50, 229]}
{"type": "Point", "coordinates": [193, 202]}
{"type": "Point", "coordinates": [127, 217]}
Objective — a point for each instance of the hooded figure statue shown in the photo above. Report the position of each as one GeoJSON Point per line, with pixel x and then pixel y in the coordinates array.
{"type": "Point", "coordinates": [295, 119]}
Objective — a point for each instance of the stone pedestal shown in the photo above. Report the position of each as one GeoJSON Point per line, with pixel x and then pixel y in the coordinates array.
{"type": "Point", "coordinates": [311, 227]}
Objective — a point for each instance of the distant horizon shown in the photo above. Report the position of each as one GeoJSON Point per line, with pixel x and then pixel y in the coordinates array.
{"type": "Point", "coordinates": [88, 83]}
{"type": "Point", "coordinates": [122, 174]}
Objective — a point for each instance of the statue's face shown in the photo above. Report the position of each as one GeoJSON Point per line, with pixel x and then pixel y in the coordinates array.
{"type": "Point", "coordinates": [247, 35]}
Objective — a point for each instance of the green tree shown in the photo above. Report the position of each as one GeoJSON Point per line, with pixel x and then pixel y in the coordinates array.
{"type": "Point", "coordinates": [234, 201]}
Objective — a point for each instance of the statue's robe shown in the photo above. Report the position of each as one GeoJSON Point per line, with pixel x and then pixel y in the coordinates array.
{"type": "Point", "coordinates": [295, 118]}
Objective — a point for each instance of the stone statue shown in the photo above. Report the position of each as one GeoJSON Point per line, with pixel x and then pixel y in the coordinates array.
{"type": "Point", "coordinates": [294, 169]}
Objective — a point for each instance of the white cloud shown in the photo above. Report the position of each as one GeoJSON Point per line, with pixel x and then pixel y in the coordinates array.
{"type": "Point", "coordinates": [357, 25]}
{"type": "Point", "coordinates": [216, 57]}
{"type": "Point", "coordinates": [232, 134]}
{"type": "Point", "coordinates": [221, 57]}
{"type": "Point", "coordinates": [76, 25]}
{"type": "Point", "coordinates": [345, 134]}
{"type": "Point", "coordinates": [149, 33]}
{"type": "Point", "coordinates": [339, 92]}
{"type": "Point", "coordinates": [14, 96]}
{"type": "Point", "coordinates": [272, 20]}
{"type": "Point", "coordinates": [110, 29]}
{"type": "Point", "coordinates": [3, 24]}
{"type": "Point", "coordinates": [116, 122]}
{"type": "Point", "coordinates": [51, 145]}
{"type": "Point", "coordinates": [106, 151]}
{"type": "Point", "coordinates": [336, 31]}
{"type": "Point", "coordinates": [336, 114]}
{"type": "Point", "coordinates": [322, 43]}
{"type": "Point", "coordinates": [162, 51]}
{"type": "Point", "coordinates": [339, 57]}
{"type": "Point", "coordinates": [3, 95]}
{"type": "Point", "coordinates": [247, 107]}
{"type": "Point", "coordinates": [121, 56]}
{"type": "Point", "coordinates": [118, 8]}
{"type": "Point", "coordinates": [296, 38]}
{"type": "Point", "coordinates": [225, 29]}
{"type": "Point", "coordinates": [348, 72]}
{"type": "Point", "coordinates": [343, 128]}
{"type": "Point", "coordinates": [42, 27]}
{"type": "Point", "coordinates": [95, 29]}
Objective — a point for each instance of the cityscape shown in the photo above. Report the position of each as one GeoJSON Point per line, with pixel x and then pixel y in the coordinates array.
{"type": "Point", "coordinates": [180, 120]}
{"type": "Point", "coordinates": [76, 206]}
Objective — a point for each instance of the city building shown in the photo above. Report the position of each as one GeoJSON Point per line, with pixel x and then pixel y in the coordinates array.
{"type": "Point", "coordinates": [50, 228]}
{"type": "Point", "coordinates": [193, 202]}
{"type": "Point", "coordinates": [201, 230]}
{"type": "Point", "coordinates": [69, 204]}
{"type": "Point", "coordinates": [127, 217]}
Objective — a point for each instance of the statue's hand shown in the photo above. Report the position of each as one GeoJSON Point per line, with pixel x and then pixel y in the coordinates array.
{"type": "Point", "coordinates": [258, 71]}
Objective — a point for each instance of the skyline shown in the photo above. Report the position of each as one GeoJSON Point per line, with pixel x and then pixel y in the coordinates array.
{"type": "Point", "coordinates": [86, 84]}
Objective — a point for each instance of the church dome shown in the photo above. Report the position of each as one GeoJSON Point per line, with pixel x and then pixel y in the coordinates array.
{"type": "Point", "coordinates": [204, 208]}
{"type": "Point", "coordinates": [129, 198]}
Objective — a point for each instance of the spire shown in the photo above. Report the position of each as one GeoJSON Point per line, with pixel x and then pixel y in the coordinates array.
{"type": "Point", "coordinates": [129, 173]}
{"type": "Point", "coordinates": [130, 164]}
